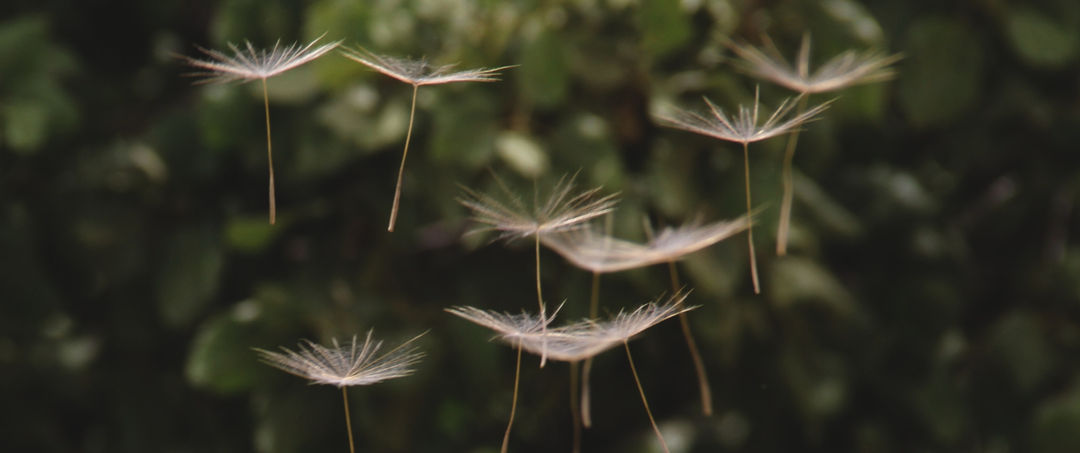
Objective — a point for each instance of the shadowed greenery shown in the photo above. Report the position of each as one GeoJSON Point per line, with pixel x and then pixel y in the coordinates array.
{"type": "Point", "coordinates": [929, 298]}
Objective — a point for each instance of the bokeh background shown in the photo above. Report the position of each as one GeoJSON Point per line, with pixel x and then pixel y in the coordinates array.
{"type": "Point", "coordinates": [930, 302]}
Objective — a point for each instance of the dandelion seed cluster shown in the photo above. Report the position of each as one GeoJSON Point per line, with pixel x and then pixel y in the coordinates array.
{"type": "Point", "coordinates": [565, 222]}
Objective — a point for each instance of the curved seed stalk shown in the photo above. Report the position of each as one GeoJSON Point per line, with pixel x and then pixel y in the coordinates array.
{"type": "Point", "coordinates": [750, 228]}
{"type": "Point", "coordinates": [401, 169]}
{"type": "Point", "coordinates": [637, 380]}
{"type": "Point", "coordinates": [348, 421]}
{"type": "Point", "coordinates": [788, 186]}
{"type": "Point", "coordinates": [269, 155]}
{"type": "Point", "coordinates": [691, 345]}
{"type": "Point", "coordinates": [586, 371]}
{"type": "Point", "coordinates": [513, 404]}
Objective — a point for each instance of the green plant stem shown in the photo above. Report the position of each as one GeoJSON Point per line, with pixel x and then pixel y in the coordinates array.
{"type": "Point", "coordinates": [269, 154]}
{"type": "Point", "coordinates": [513, 404]}
{"type": "Point", "coordinates": [586, 371]}
{"type": "Point", "coordinates": [695, 355]}
{"type": "Point", "coordinates": [575, 414]}
{"type": "Point", "coordinates": [401, 169]}
{"type": "Point", "coordinates": [348, 421]}
{"type": "Point", "coordinates": [750, 228]}
{"type": "Point", "coordinates": [637, 380]}
{"type": "Point", "coordinates": [788, 184]}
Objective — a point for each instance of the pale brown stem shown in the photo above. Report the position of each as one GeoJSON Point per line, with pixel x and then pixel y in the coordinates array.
{"type": "Point", "coordinates": [586, 371]}
{"type": "Point", "coordinates": [269, 155]}
{"type": "Point", "coordinates": [788, 185]}
{"type": "Point", "coordinates": [575, 414]}
{"type": "Point", "coordinates": [695, 355]}
{"type": "Point", "coordinates": [540, 300]}
{"type": "Point", "coordinates": [513, 404]}
{"type": "Point", "coordinates": [348, 421]}
{"type": "Point", "coordinates": [637, 380]}
{"type": "Point", "coordinates": [401, 169]}
{"type": "Point", "coordinates": [750, 228]}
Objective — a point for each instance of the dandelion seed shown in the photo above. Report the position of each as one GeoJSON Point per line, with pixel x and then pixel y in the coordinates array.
{"type": "Point", "coordinates": [249, 64]}
{"type": "Point", "coordinates": [345, 366]}
{"type": "Point", "coordinates": [591, 250]}
{"type": "Point", "coordinates": [743, 129]}
{"type": "Point", "coordinates": [563, 211]}
{"type": "Point", "coordinates": [416, 73]}
{"type": "Point", "coordinates": [585, 339]}
{"type": "Point", "coordinates": [842, 71]}
{"type": "Point", "coordinates": [512, 329]}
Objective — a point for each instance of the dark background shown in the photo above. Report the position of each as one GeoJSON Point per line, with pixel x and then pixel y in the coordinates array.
{"type": "Point", "coordinates": [930, 302]}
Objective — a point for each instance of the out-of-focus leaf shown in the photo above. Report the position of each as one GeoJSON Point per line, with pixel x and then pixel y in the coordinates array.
{"type": "Point", "coordinates": [796, 279]}
{"type": "Point", "coordinates": [856, 18]}
{"type": "Point", "coordinates": [464, 129]}
{"type": "Point", "coordinates": [34, 106]}
{"type": "Point", "coordinates": [544, 76]}
{"type": "Point", "coordinates": [250, 234]}
{"type": "Point", "coordinates": [1040, 40]}
{"type": "Point", "coordinates": [834, 217]}
{"type": "Point", "coordinates": [942, 71]}
{"type": "Point", "coordinates": [190, 274]}
{"type": "Point", "coordinates": [818, 381]}
{"type": "Point", "coordinates": [1053, 429]}
{"type": "Point", "coordinates": [25, 125]}
{"type": "Point", "coordinates": [522, 153]}
{"type": "Point", "coordinates": [670, 189]}
{"type": "Point", "coordinates": [1018, 341]}
{"type": "Point", "coordinates": [221, 358]}
{"type": "Point", "coordinates": [664, 26]}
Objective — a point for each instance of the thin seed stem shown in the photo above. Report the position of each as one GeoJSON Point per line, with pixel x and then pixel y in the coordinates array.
{"type": "Point", "coordinates": [637, 380]}
{"type": "Point", "coordinates": [750, 228]}
{"type": "Point", "coordinates": [513, 405]}
{"type": "Point", "coordinates": [586, 371]}
{"type": "Point", "coordinates": [695, 355]}
{"type": "Point", "coordinates": [269, 154]}
{"type": "Point", "coordinates": [401, 169]}
{"type": "Point", "coordinates": [348, 421]}
{"type": "Point", "coordinates": [540, 301]}
{"type": "Point", "coordinates": [788, 186]}
{"type": "Point", "coordinates": [575, 414]}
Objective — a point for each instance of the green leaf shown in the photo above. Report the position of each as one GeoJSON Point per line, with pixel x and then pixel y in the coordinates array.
{"type": "Point", "coordinates": [25, 125]}
{"type": "Point", "coordinates": [942, 73]}
{"type": "Point", "coordinates": [464, 129]}
{"type": "Point", "coordinates": [664, 26]}
{"type": "Point", "coordinates": [190, 275]}
{"type": "Point", "coordinates": [221, 358]}
{"type": "Point", "coordinates": [522, 153]}
{"type": "Point", "coordinates": [795, 279]}
{"type": "Point", "coordinates": [1054, 425]}
{"type": "Point", "coordinates": [250, 233]}
{"type": "Point", "coordinates": [1040, 40]}
{"type": "Point", "coordinates": [544, 74]}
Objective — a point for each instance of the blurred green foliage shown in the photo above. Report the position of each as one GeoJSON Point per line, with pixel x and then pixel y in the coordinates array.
{"type": "Point", "coordinates": [930, 301]}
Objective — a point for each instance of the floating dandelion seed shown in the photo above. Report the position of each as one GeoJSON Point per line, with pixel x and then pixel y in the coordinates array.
{"type": "Point", "coordinates": [563, 211]}
{"type": "Point", "coordinates": [585, 339]}
{"type": "Point", "coordinates": [512, 329]}
{"type": "Point", "coordinates": [589, 249]}
{"type": "Point", "coordinates": [249, 64]}
{"type": "Point", "coordinates": [743, 129]}
{"type": "Point", "coordinates": [842, 71]}
{"type": "Point", "coordinates": [416, 73]}
{"type": "Point", "coordinates": [343, 366]}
